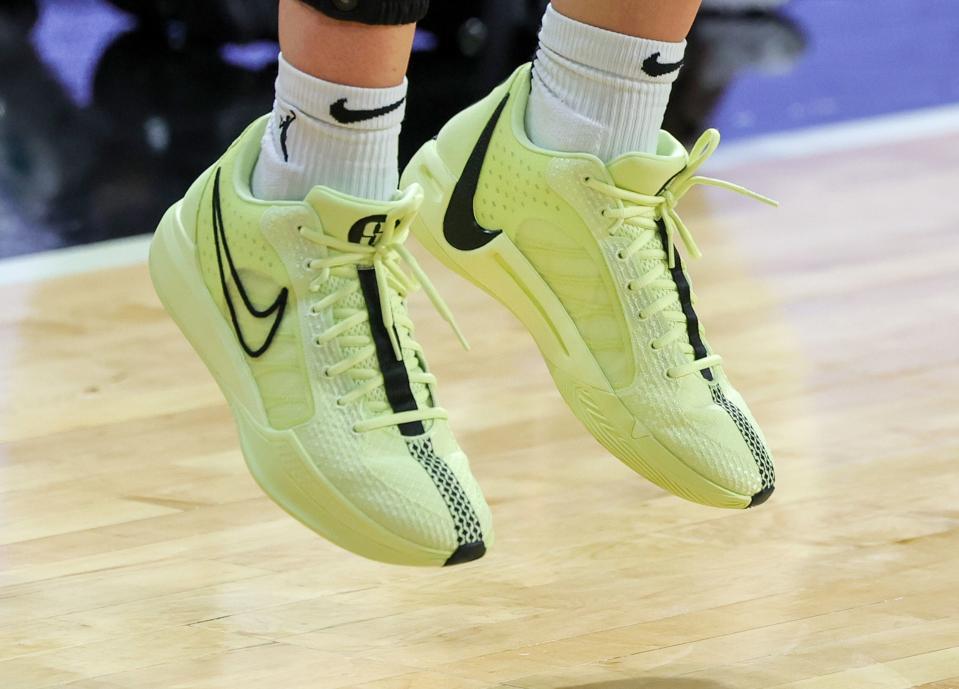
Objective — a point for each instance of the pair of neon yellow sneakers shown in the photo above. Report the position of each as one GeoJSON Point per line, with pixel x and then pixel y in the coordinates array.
{"type": "Point", "coordinates": [299, 311]}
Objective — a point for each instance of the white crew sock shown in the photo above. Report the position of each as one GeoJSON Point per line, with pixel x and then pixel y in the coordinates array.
{"type": "Point", "coordinates": [593, 92]}
{"type": "Point", "coordinates": [315, 137]}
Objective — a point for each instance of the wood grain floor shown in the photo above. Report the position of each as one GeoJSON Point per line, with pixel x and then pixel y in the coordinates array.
{"type": "Point", "coordinates": [136, 552]}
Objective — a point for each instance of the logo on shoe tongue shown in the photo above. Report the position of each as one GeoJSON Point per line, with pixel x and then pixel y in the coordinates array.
{"type": "Point", "coordinates": [367, 230]}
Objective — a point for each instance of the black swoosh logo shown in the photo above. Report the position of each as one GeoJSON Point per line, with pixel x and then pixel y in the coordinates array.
{"type": "Point", "coordinates": [460, 227]}
{"type": "Point", "coordinates": [278, 306]}
{"type": "Point", "coordinates": [343, 115]}
{"type": "Point", "coordinates": [654, 68]}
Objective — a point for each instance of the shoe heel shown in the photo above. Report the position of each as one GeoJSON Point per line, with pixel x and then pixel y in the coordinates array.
{"type": "Point", "coordinates": [178, 282]}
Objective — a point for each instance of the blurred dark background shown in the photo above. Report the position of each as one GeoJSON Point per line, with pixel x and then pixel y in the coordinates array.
{"type": "Point", "coordinates": [110, 108]}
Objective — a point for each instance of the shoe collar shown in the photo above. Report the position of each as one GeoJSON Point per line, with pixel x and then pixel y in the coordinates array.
{"type": "Point", "coordinates": [643, 173]}
{"type": "Point", "coordinates": [343, 216]}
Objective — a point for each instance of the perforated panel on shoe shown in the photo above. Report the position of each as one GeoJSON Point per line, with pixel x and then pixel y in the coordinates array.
{"type": "Point", "coordinates": [467, 524]}
{"type": "Point", "coordinates": [515, 194]}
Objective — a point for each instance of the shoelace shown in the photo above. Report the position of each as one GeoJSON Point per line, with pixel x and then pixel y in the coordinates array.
{"type": "Point", "coordinates": [645, 213]}
{"type": "Point", "coordinates": [386, 257]}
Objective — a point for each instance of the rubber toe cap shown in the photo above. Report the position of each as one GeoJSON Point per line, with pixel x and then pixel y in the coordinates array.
{"type": "Point", "coordinates": [467, 553]}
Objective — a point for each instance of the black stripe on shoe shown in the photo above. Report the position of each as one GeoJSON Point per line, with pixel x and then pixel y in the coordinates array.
{"type": "Point", "coordinates": [767, 472]}
{"type": "Point", "coordinates": [686, 301]}
{"type": "Point", "coordinates": [757, 448]}
{"type": "Point", "coordinates": [469, 532]}
{"type": "Point", "coordinates": [396, 379]}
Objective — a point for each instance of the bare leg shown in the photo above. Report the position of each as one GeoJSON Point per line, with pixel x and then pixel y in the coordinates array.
{"type": "Point", "coordinates": [659, 20]}
{"type": "Point", "coordinates": [344, 52]}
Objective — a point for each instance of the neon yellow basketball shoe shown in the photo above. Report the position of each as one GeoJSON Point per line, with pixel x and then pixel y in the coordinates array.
{"type": "Point", "coordinates": [299, 312]}
{"type": "Point", "coordinates": [583, 255]}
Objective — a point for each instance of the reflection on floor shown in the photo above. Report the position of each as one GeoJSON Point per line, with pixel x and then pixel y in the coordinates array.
{"type": "Point", "coordinates": [108, 109]}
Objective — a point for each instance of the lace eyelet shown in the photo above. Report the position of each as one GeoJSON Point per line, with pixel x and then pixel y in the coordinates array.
{"type": "Point", "coordinates": [587, 179]}
{"type": "Point", "coordinates": [308, 265]}
{"type": "Point", "coordinates": [620, 255]}
{"type": "Point", "coordinates": [339, 403]}
{"type": "Point", "coordinates": [641, 316]}
{"type": "Point", "coordinates": [318, 342]}
{"type": "Point", "coordinates": [652, 346]}
{"type": "Point", "coordinates": [326, 372]}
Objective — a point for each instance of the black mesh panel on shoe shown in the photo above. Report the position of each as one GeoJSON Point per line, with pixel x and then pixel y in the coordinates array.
{"type": "Point", "coordinates": [468, 529]}
{"type": "Point", "coordinates": [756, 446]}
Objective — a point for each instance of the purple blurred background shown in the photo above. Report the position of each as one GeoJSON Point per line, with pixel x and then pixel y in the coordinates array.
{"type": "Point", "coordinates": [108, 109]}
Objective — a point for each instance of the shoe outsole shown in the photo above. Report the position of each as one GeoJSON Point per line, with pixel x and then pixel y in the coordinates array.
{"type": "Point", "coordinates": [275, 458]}
{"type": "Point", "coordinates": [501, 270]}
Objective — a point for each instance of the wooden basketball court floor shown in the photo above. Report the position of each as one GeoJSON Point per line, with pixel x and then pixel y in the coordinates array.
{"type": "Point", "coordinates": [136, 552]}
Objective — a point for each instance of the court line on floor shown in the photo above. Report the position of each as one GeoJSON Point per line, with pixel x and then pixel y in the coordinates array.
{"type": "Point", "coordinates": [112, 253]}
{"type": "Point", "coordinates": [830, 138]}
{"type": "Point", "coordinates": [839, 136]}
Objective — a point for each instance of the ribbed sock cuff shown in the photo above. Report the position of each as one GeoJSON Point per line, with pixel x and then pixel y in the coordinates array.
{"type": "Point", "coordinates": [597, 91]}
{"type": "Point", "coordinates": [322, 133]}
{"type": "Point", "coordinates": [607, 51]}
{"type": "Point", "coordinates": [318, 99]}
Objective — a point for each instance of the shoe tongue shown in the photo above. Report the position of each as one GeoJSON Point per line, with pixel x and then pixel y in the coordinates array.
{"type": "Point", "coordinates": [647, 173]}
{"type": "Point", "coordinates": [349, 218]}
{"type": "Point", "coordinates": [357, 220]}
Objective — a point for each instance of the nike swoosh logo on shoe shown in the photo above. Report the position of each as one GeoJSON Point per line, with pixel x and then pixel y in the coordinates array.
{"type": "Point", "coordinates": [654, 68]}
{"type": "Point", "coordinates": [343, 115]}
{"type": "Point", "coordinates": [278, 307]}
{"type": "Point", "coordinates": [460, 227]}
